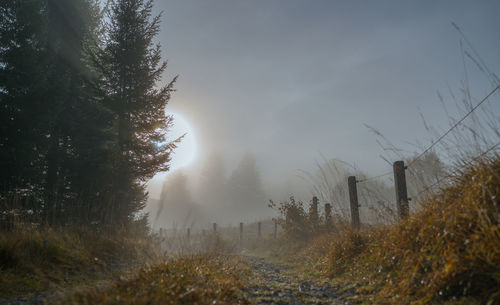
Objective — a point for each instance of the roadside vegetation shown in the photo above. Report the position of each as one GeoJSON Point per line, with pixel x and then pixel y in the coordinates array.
{"type": "Point", "coordinates": [81, 266]}
{"type": "Point", "coordinates": [194, 279]}
{"type": "Point", "coordinates": [446, 252]}
{"type": "Point", "coordinates": [42, 262]}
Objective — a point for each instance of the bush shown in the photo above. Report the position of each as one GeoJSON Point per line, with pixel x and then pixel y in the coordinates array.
{"type": "Point", "coordinates": [299, 221]}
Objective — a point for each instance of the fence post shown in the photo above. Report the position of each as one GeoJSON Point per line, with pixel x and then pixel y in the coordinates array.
{"type": "Point", "coordinates": [328, 217]}
{"type": "Point", "coordinates": [313, 214]}
{"type": "Point", "coordinates": [275, 229]}
{"type": "Point", "coordinates": [215, 227]}
{"type": "Point", "coordinates": [241, 234]}
{"type": "Point", "coordinates": [401, 192]}
{"type": "Point", "coordinates": [188, 233]}
{"type": "Point", "coordinates": [353, 198]}
{"type": "Point", "coordinates": [259, 226]}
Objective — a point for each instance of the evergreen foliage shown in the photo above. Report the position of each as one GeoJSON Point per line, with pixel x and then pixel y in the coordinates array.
{"type": "Point", "coordinates": [83, 121]}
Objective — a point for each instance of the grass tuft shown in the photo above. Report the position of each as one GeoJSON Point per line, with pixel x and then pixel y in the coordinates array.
{"type": "Point", "coordinates": [198, 279]}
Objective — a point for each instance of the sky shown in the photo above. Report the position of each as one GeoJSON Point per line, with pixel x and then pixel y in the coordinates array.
{"type": "Point", "coordinates": [297, 81]}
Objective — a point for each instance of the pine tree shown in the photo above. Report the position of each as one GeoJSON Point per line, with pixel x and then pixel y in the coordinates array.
{"type": "Point", "coordinates": [53, 119]}
{"type": "Point", "coordinates": [133, 67]}
{"type": "Point", "coordinates": [23, 32]}
{"type": "Point", "coordinates": [83, 124]}
{"type": "Point", "coordinates": [71, 98]}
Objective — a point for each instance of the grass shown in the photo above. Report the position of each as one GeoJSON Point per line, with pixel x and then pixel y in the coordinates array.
{"type": "Point", "coordinates": [80, 266]}
{"type": "Point", "coordinates": [197, 279]}
{"type": "Point", "coordinates": [34, 261]}
{"type": "Point", "coordinates": [446, 253]}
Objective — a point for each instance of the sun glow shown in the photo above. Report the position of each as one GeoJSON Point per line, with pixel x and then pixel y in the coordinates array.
{"type": "Point", "coordinates": [183, 156]}
{"type": "Point", "coordinates": [185, 153]}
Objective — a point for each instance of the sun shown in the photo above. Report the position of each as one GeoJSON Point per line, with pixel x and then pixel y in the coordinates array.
{"type": "Point", "coordinates": [185, 153]}
{"type": "Point", "coordinates": [182, 157]}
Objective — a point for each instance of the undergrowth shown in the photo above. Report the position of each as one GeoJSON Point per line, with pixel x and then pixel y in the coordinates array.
{"type": "Point", "coordinates": [33, 261]}
{"type": "Point", "coordinates": [448, 252]}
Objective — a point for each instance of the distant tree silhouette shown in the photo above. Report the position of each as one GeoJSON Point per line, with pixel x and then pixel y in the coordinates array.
{"type": "Point", "coordinates": [176, 206]}
{"type": "Point", "coordinates": [245, 189]}
{"type": "Point", "coordinates": [212, 183]}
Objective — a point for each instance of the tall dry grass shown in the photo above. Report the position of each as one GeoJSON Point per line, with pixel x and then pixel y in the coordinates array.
{"type": "Point", "coordinates": [448, 251]}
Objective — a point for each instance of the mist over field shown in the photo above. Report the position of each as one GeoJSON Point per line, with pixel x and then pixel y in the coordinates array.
{"type": "Point", "coordinates": [215, 193]}
{"type": "Point", "coordinates": [296, 84]}
{"type": "Point", "coordinates": [249, 152]}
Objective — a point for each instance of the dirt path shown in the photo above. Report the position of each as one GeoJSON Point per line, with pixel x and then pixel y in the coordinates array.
{"type": "Point", "coordinates": [273, 283]}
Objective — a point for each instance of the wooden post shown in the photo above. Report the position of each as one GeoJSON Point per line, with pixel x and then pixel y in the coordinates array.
{"type": "Point", "coordinates": [188, 233]}
{"type": "Point", "coordinates": [353, 198]}
{"type": "Point", "coordinates": [215, 228]}
{"type": "Point", "coordinates": [401, 192]}
{"type": "Point", "coordinates": [259, 226]}
{"type": "Point", "coordinates": [328, 217]}
{"type": "Point", "coordinates": [313, 214]}
{"type": "Point", "coordinates": [275, 229]}
{"type": "Point", "coordinates": [161, 232]}
{"type": "Point", "coordinates": [241, 233]}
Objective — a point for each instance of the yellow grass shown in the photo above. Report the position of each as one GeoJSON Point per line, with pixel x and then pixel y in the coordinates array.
{"type": "Point", "coordinates": [33, 261]}
{"type": "Point", "coordinates": [198, 279]}
{"type": "Point", "coordinates": [447, 252]}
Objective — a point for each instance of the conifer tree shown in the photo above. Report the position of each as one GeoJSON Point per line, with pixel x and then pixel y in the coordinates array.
{"type": "Point", "coordinates": [22, 79]}
{"type": "Point", "coordinates": [133, 69]}
{"type": "Point", "coordinates": [69, 98]}
{"type": "Point", "coordinates": [53, 120]}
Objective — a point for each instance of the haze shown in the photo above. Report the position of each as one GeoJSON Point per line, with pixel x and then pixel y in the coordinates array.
{"type": "Point", "coordinates": [293, 82]}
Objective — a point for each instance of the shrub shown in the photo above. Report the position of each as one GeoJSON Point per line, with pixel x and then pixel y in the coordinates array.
{"type": "Point", "coordinates": [299, 221]}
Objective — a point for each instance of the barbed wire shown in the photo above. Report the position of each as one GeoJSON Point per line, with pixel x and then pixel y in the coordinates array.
{"type": "Point", "coordinates": [374, 177]}
{"type": "Point", "coordinates": [454, 125]}
{"type": "Point", "coordinates": [440, 138]}
{"type": "Point", "coordinates": [451, 175]}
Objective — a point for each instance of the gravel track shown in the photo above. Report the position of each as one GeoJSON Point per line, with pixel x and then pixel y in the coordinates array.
{"type": "Point", "coordinates": [273, 283]}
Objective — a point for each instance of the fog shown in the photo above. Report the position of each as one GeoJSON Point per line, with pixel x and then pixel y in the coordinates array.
{"type": "Point", "coordinates": [214, 193]}
{"type": "Point", "coordinates": [272, 90]}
